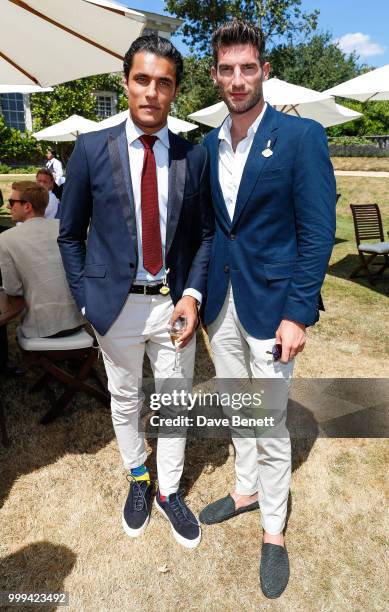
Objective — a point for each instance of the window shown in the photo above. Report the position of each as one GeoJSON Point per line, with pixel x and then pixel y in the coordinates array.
{"type": "Point", "coordinates": [12, 109]}
{"type": "Point", "coordinates": [106, 102]}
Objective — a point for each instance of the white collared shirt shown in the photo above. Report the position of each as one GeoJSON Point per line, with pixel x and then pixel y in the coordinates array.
{"type": "Point", "coordinates": [52, 206]}
{"type": "Point", "coordinates": [232, 163]}
{"type": "Point", "coordinates": [161, 154]}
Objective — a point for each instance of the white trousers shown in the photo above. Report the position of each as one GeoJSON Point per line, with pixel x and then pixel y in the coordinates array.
{"type": "Point", "coordinates": [142, 325]}
{"type": "Point", "coordinates": [262, 464]}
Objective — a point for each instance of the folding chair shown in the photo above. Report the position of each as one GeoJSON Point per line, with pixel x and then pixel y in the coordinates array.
{"type": "Point", "coordinates": [48, 352]}
{"type": "Point", "coordinates": [368, 226]}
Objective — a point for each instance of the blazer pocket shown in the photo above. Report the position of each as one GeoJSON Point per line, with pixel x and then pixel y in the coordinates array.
{"type": "Point", "coordinates": [95, 271]}
{"type": "Point", "coordinates": [273, 174]}
{"type": "Point", "coordinates": [278, 271]}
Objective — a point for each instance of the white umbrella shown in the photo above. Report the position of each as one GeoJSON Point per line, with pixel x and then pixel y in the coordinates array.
{"type": "Point", "coordinates": [373, 85]}
{"type": "Point", "coordinates": [288, 98]}
{"type": "Point", "coordinates": [66, 130]}
{"type": "Point", "coordinates": [46, 42]}
{"type": "Point", "coordinates": [175, 125]}
{"type": "Point", "coordinates": [23, 89]}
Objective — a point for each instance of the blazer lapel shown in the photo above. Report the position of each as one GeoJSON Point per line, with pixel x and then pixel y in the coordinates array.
{"type": "Point", "coordinates": [177, 176]}
{"type": "Point", "coordinates": [256, 162]}
{"type": "Point", "coordinates": [218, 198]}
{"type": "Point", "coordinates": [121, 173]}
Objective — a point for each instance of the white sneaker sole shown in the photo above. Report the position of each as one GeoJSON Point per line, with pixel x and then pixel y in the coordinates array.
{"type": "Point", "coordinates": [179, 538]}
{"type": "Point", "coordinates": [134, 533]}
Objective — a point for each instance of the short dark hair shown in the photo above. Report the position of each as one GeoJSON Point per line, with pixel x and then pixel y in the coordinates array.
{"type": "Point", "coordinates": [45, 171]}
{"type": "Point", "coordinates": [238, 32]}
{"type": "Point", "coordinates": [152, 43]}
{"type": "Point", "coordinates": [36, 194]}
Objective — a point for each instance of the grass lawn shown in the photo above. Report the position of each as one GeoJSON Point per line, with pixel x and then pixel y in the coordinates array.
{"type": "Point", "coordinates": [375, 164]}
{"type": "Point", "coordinates": [63, 487]}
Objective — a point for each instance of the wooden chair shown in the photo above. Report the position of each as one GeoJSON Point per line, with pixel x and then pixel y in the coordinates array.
{"type": "Point", "coordinates": [368, 226]}
{"type": "Point", "coordinates": [48, 352]}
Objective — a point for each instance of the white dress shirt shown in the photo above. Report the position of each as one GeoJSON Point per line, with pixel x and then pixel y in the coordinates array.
{"type": "Point", "coordinates": [55, 166]}
{"type": "Point", "coordinates": [161, 154]}
{"type": "Point", "coordinates": [52, 207]}
{"type": "Point", "coordinates": [232, 163]}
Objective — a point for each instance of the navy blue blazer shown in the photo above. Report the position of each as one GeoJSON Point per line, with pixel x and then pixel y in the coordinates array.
{"type": "Point", "coordinates": [98, 238]}
{"type": "Point", "coordinates": [276, 249]}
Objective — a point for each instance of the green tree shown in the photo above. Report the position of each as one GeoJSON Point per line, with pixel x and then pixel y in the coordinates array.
{"type": "Point", "coordinates": [318, 64]}
{"type": "Point", "coordinates": [277, 18]}
{"type": "Point", "coordinates": [75, 97]}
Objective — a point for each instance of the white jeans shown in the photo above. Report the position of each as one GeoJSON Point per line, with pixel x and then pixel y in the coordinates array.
{"type": "Point", "coordinates": [142, 325]}
{"type": "Point", "coordinates": [262, 464]}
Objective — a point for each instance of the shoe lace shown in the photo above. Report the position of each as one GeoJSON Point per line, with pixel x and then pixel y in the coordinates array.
{"type": "Point", "coordinates": [138, 492]}
{"type": "Point", "coordinates": [180, 510]}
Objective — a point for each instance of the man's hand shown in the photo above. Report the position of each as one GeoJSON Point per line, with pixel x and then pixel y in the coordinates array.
{"type": "Point", "coordinates": [186, 307]}
{"type": "Point", "coordinates": [292, 336]}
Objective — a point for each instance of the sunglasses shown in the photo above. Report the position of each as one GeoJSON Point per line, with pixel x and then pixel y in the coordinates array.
{"type": "Point", "coordinates": [12, 202]}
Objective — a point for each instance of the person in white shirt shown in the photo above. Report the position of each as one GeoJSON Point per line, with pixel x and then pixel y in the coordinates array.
{"type": "Point", "coordinates": [45, 178]}
{"type": "Point", "coordinates": [55, 166]}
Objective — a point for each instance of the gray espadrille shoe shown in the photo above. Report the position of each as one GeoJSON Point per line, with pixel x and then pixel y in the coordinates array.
{"type": "Point", "coordinates": [274, 570]}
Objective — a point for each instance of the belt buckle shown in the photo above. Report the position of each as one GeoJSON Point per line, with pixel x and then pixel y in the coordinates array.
{"type": "Point", "coordinates": [144, 289]}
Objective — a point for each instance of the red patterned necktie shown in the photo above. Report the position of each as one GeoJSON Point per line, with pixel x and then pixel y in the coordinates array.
{"type": "Point", "coordinates": [151, 230]}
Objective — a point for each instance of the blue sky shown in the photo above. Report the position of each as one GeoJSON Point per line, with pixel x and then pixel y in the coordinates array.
{"type": "Point", "coordinates": [358, 24]}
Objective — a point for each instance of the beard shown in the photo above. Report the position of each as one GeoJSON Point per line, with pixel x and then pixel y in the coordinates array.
{"type": "Point", "coordinates": [242, 107]}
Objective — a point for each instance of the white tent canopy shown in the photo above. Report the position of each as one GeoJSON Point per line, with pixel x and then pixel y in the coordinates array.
{"type": "Point", "coordinates": [23, 89]}
{"type": "Point", "coordinates": [46, 42]}
{"type": "Point", "coordinates": [288, 98]}
{"type": "Point", "coordinates": [373, 85]}
{"type": "Point", "coordinates": [66, 130]}
{"type": "Point", "coordinates": [175, 125]}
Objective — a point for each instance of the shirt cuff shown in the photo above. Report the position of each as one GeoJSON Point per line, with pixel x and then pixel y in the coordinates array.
{"type": "Point", "coordinates": [83, 310]}
{"type": "Point", "coordinates": [193, 293]}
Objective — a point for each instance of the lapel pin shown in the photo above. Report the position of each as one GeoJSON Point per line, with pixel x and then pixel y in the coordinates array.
{"type": "Point", "coordinates": [267, 152]}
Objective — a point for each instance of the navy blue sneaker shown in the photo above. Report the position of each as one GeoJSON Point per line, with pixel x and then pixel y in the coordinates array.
{"type": "Point", "coordinates": [136, 513]}
{"type": "Point", "coordinates": [185, 526]}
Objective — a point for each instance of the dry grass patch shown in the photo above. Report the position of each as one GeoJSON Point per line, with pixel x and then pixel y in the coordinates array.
{"type": "Point", "coordinates": [63, 488]}
{"type": "Point", "coordinates": [373, 164]}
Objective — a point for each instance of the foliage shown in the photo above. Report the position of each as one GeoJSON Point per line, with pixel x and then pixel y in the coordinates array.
{"type": "Point", "coordinates": [318, 64]}
{"type": "Point", "coordinates": [347, 141]}
{"type": "Point", "coordinates": [368, 150]}
{"type": "Point", "coordinates": [74, 97]}
{"type": "Point", "coordinates": [277, 18]}
{"type": "Point", "coordinates": [4, 169]}
{"type": "Point", "coordinates": [16, 146]}
{"type": "Point", "coordinates": [375, 119]}
{"type": "Point", "coordinates": [196, 91]}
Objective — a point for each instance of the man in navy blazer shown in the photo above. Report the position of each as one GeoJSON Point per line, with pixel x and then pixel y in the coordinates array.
{"type": "Point", "coordinates": [135, 236]}
{"type": "Point", "coordinates": [273, 192]}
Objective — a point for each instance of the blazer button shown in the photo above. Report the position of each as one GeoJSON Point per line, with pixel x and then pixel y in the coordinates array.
{"type": "Point", "coordinates": [232, 236]}
{"type": "Point", "coordinates": [132, 265]}
{"type": "Point", "coordinates": [226, 269]}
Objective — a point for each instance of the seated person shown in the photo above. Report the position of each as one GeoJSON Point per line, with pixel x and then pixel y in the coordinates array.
{"type": "Point", "coordinates": [45, 178]}
{"type": "Point", "coordinates": [31, 265]}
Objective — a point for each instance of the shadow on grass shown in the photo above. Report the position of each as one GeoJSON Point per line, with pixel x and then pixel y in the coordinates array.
{"type": "Point", "coordinates": [36, 568]}
{"type": "Point", "coordinates": [340, 240]}
{"type": "Point", "coordinates": [85, 427]}
{"type": "Point", "coordinates": [344, 267]}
